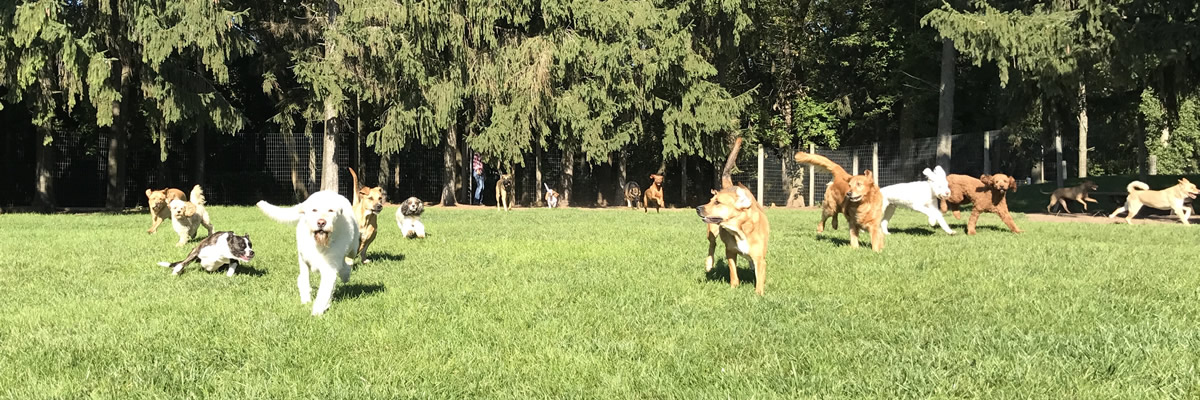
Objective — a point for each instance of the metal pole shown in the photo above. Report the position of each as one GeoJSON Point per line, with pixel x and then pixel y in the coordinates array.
{"type": "Point", "coordinates": [854, 158]}
{"type": "Point", "coordinates": [1062, 164]}
{"type": "Point", "coordinates": [759, 193]}
{"type": "Point", "coordinates": [987, 153]}
{"type": "Point", "coordinates": [812, 183]}
{"type": "Point", "coordinates": [875, 161]}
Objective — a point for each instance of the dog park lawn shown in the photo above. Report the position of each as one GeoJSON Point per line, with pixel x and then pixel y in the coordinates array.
{"type": "Point", "coordinates": [603, 304]}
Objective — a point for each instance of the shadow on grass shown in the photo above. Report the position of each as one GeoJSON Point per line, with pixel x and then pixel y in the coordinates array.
{"type": "Point", "coordinates": [840, 241]}
{"type": "Point", "coordinates": [375, 257]}
{"type": "Point", "coordinates": [720, 271]}
{"type": "Point", "coordinates": [355, 290]}
{"type": "Point", "coordinates": [244, 269]}
{"type": "Point", "coordinates": [914, 231]}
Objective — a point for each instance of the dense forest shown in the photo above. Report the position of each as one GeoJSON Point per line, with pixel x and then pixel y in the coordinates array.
{"type": "Point", "coordinates": [1105, 86]}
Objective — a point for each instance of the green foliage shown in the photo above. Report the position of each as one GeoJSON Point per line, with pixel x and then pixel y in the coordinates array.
{"type": "Point", "coordinates": [1175, 147]}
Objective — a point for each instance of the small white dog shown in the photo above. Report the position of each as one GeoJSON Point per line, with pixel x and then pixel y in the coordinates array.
{"type": "Point", "coordinates": [187, 216]}
{"type": "Point", "coordinates": [326, 234]}
{"type": "Point", "coordinates": [408, 217]}
{"type": "Point", "coordinates": [551, 197]}
{"type": "Point", "coordinates": [921, 196]}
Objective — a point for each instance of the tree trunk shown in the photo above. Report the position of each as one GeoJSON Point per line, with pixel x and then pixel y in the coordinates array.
{"type": "Point", "coordinates": [908, 122]}
{"type": "Point", "coordinates": [384, 170]}
{"type": "Point", "coordinates": [449, 166]}
{"type": "Point", "coordinates": [329, 166]}
{"type": "Point", "coordinates": [1083, 131]}
{"type": "Point", "coordinates": [683, 180]}
{"type": "Point", "coordinates": [118, 140]}
{"type": "Point", "coordinates": [358, 143]}
{"type": "Point", "coordinates": [622, 170]}
{"type": "Point", "coordinates": [793, 180]}
{"type": "Point", "coordinates": [946, 104]}
{"type": "Point", "coordinates": [568, 176]}
{"type": "Point", "coordinates": [43, 199]}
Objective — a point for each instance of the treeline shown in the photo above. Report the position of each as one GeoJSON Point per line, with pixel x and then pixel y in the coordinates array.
{"type": "Point", "coordinates": [1079, 86]}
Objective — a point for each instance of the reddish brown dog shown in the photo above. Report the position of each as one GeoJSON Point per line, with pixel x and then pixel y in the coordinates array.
{"type": "Point", "coordinates": [654, 192]}
{"type": "Point", "coordinates": [864, 209]}
{"type": "Point", "coordinates": [835, 193]}
{"type": "Point", "coordinates": [160, 209]}
{"type": "Point", "coordinates": [987, 194]}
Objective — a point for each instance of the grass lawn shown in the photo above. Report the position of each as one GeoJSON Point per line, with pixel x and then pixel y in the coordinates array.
{"type": "Point", "coordinates": [604, 304]}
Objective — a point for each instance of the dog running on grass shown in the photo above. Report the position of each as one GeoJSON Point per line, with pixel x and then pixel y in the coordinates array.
{"type": "Point", "coordinates": [408, 217]}
{"type": "Point", "coordinates": [326, 235]}
{"type": "Point", "coordinates": [215, 251]}
{"type": "Point", "coordinates": [633, 194]}
{"type": "Point", "coordinates": [1171, 198]}
{"type": "Point", "coordinates": [735, 216]}
{"type": "Point", "coordinates": [188, 216]}
{"type": "Point", "coordinates": [835, 192]}
{"type": "Point", "coordinates": [987, 194]}
{"type": "Point", "coordinates": [504, 192]}
{"type": "Point", "coordinates": [922, 196]}
{"type": "Point", "coordinates": [864, 209]}
{"type": "Point", "coordinates": [160, 209]}
{"type": "Point", "coordinates": [654, 192]}
{"type": "Point", "coordinates": [1078, 193]}
{"type": "Point", "coordinates": [368, 202]}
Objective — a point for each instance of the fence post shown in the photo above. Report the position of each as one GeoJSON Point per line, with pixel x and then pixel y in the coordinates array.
{"type": "Point", "coordinates": [875, 161]}
{"type": "Point", "coordinates": [987, 153]}
{"type": "Point", "coordinates": [854, 160]}
{"type": "Point", "coordinates": [759, 193]}
{"type": "Point", "coordinates": [812, 183]}
{"type": "Point", "coordinates": [1061, 165]}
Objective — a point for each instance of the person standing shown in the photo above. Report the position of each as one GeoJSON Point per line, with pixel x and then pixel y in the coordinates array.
{"type": "Point", "coordinates": [477, 174]}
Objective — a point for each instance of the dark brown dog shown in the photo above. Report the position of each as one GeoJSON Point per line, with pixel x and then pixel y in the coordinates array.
{"type": "Point", "coordinates": [654, 192]}
{"type": "Point", "coordinates": [160, 205]}
{"type": "Point", "coordinates": [736, 217]}
{"type": "Point", "coordinates": [633, 195]}
{"type": "Point", "coordinates": [368, 202]}
{"type": "Point", "coordinates": [864, 209]}
{"type": "Point", "coordinates": [1077, 193]}
{"type": "Point", "coordinates": [986, 193]}
{"type": "Point", "coordinates": [835, 193]}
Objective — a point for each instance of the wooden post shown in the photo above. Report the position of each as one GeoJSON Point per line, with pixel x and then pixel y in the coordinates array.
{"type": "Point", "coordinates": [812, 183]}
{"type": "Point", "coordinates": [1061, 165]}
{"type": "Point", "coordinates": [875, 161]}
{"type": "Point", "coordinates": [759, 193]}
{"type": "Point", "coordinates": [987, 153]}
{"type": "Point", "coordinates": [854, 160]}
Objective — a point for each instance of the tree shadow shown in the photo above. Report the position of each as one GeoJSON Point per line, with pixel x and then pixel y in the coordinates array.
{"type": "Point", "coordinates": [720, 271]}
{"type": "Point", "coordinates": [356, 290]}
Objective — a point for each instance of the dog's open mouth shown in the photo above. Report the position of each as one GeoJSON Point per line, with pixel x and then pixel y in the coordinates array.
{"type": "Point", "coordinates": [853, 197]}
{"type": "Point", "coordinates": [1191, 195]}
{"type": "Point", "coordinates": [711, 219]}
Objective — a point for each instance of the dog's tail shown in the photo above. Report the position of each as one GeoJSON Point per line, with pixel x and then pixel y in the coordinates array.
{"type": "Point", "coordinates": [1136, 185]}
{"type": "Point", "coordinates": [354, 176]}
{"type": "Point", "coordinates": [547, 185]}
{"type": "Point", "coordinates": [821, 161]}
{"type": "Point", "coordinates": [286, 215]}
{"type": "Point", "coordinates": [197, 196]}
{"type": "Point", "coordinates": [190, 257]}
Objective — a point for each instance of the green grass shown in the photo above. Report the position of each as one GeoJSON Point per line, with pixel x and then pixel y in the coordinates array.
{"type": "Point", "coordinates": [604, 304]}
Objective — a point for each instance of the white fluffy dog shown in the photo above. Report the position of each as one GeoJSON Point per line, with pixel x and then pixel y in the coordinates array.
{"type": "Point", "coordinates": [326, 234]}
{"type": "Point", "coordinates": [408, 217]}
{"type": "Point", "coordinates": [922, 196]}
{"type": "Point", "coordinates": [188, 216]}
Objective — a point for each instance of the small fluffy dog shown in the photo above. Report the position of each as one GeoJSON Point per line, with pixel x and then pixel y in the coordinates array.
{"type": "Point", "coordinates": [633, 194]}
{"type": "Point", "coordinates": [987, 194]}
{"type": "Point", "coordinates": [551, 197]}
{"type": "Point", "coordinates": [504, 191]}
{"type": "Point", "coordinates": [1171, 198]}
{"type": "Point", "coordinates": [187, 216]}
{"type": "Point", "coordinates": [920, 196]}
{"type": "Point", "coordinates": [835, 191]}
{"type": "Point", "coordinates": [160, 209]}
{"type": "Point", "coordinates": [736, 217]}
{"type": "Point", "coordinates": [1078, 193]}
{"type": "Point", "coordinates": [368, 202]}
{"type": "Point", "coordinates": [408, 217]}
{"type": "Point", "coordinates": [216, 250]}
{"type": "Point", "coordinates": [654, 192]}
{"type": "Point", "coordinates": [326, 234]}
{"type": "Point", "coordinates": [864, 209]}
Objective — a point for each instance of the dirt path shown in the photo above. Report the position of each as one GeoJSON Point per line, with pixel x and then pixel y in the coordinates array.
{"type": "Point", "coordinates": [1103, 219]}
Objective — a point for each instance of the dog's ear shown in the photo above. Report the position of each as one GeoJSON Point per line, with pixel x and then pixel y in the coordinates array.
{"type": "Point", "coordinates": [744, 198]}
{"type": "Point", "coordinates": [928, 174]}
{"type": "Point", "coordinates": [867, 173]}
{"type": "Point", "coordinates": [714, 191]}
{"type": "Point", "coordinates": [148, 193]}
{"type": "Point", "coordinates": [365, 191]}
{"type": "Point", "coordinates": [1012, 183]}
{"type": "Point", "coordinates": [189, 209]}
{"type": "Point", "coordinates": [938, 170]}
{"type": "Point", "coordinates": [986, 179]}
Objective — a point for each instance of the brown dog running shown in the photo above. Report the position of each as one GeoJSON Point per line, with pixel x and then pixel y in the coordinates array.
{"type": "Point", "coordinates": [1078, 193]}
{"type": "Point", "coordinates": [736, 217]}
{"type": "Point", "coordinates": [368, 202]}
{"type": "Point", "coordinates": [504, 191]}
{"type": "Point", "coordinates": [160, 205]}
{"type": "Point", "coordinates": [654, 192]}
{"type": "Point", "coordinates": [1171, 198]}
{"type": "Point", "coordinates": [835, 193]}
{"type": "Point", "coordinates": [864, 209]}
{"type": "Point", "coordinates": [987, 194]}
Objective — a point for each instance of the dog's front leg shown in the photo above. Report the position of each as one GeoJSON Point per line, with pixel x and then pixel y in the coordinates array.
{"type": "Point", "coordinates": [731, 259]}
{"type": "Point", "coordinates": [303, 284]}
{"type": "Point", "coordinates": [888, 211]}
{"type": "Point", "coordinates": [853, 235]}
{"type": "Point", "coordinates": [325, 290]}
{"type": "Point", "coordinates": [233, 264]}
{"type": "Point", "coordinates": [155, 221]}
{"type": "Point", "coordinates": [935, 215]}
{"type": "Point", "coordinates": [876, 238]}
{"type": "Point", "coordinates": [712, 249]}
{"type": "Point", "coordinates": [419, 228]}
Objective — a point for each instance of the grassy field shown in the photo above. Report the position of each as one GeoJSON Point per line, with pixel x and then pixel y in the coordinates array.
{"type": "Point", "coordinates": [604, 304]}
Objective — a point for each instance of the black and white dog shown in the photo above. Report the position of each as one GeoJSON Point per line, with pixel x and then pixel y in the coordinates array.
{"type": "Point", "coordinates": [215, 251]}
{"type": "Point", "coordinates": [408, 217]}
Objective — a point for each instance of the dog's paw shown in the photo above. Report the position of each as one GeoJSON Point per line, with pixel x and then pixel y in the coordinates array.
{"type": "Point", "coordinates": [365, 261]}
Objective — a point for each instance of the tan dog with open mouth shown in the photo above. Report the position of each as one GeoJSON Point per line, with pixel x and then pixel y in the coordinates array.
{"type": "Point", "coordinates": [368, 202]}
{"type": "Point", "coordinates": [736, 217]}
{"type": "Point", "coordinates": [504, 192]}
{"type": "Point", "coordinates": [1171, 198]}
{"type": "Point", "coordinates": [187, 216]}
{"type": "Point", "coordinates": [160, 205]}
{"type": "Point", "coordinates": [864, 209]}
{"type": "Point", "coordinates": [326, 235]}
{"type": "Point", "coordinates": [654, 192]}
